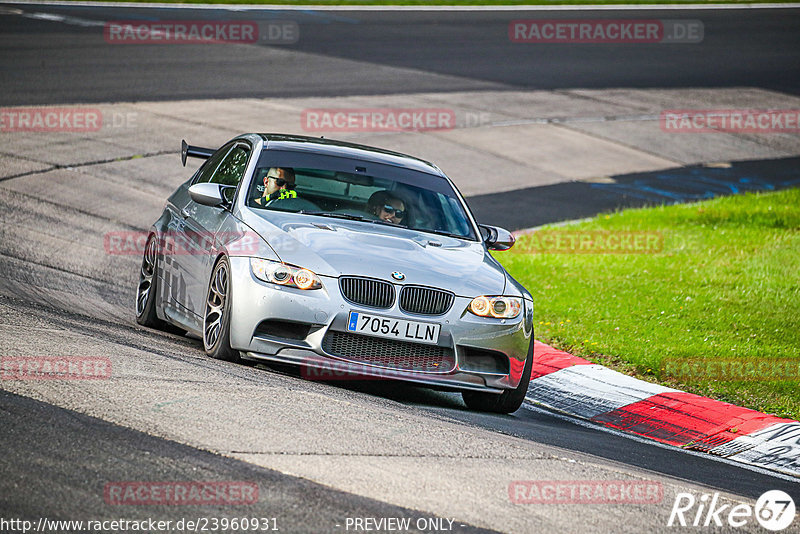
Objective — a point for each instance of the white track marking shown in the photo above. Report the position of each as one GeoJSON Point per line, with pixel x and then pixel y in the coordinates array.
{"type": "Point", "coordinates": [775, 445]}
{"type": "Point", "coordinates": [533, 405]}
{"type": "Point", "coordinates": [75, 21]}
{"type": "Point", "coordinates": [591, 390]}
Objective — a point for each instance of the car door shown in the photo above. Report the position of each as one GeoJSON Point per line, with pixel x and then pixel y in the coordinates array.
{"type": "Point", "coordinates": [177, 245]}
{"type": "Point", "coordinates": [202, 224]}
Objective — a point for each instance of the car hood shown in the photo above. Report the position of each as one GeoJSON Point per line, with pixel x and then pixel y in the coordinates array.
{"type": "Point", "coordinates": [335, 247]}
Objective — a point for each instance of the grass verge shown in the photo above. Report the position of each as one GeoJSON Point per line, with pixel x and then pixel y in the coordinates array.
{"type": "Point", "coordinates": [721, 293]}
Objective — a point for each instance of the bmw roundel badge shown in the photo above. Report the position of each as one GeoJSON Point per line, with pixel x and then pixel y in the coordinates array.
{"type": "Point", "coordinates": [397, 275]}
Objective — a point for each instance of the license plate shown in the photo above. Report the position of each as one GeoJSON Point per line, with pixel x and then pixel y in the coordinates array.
{"type": "Point", "coordinates": [375, 325]}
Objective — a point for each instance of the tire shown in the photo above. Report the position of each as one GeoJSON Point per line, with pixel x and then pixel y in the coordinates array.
{"type": "Point", "coordinates": [217, 317]}
{"type": "Point", "coordinates": [148, 289]}
{"type": "Point", "coordinates": [507, 402]}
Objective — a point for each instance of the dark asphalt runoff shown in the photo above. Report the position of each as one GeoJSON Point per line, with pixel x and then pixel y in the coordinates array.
{"type": "Point", "coordinates": [47, 62]}
{"type": "Point", "coordinates": [56, 464]}
{"type": "Point", "coordinates": [535, 206]}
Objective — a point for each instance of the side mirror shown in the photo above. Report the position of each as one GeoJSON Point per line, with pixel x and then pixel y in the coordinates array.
{"type": "Point", "coordinates": [497, 238]}
{"type": "Point", "coordinates": [207, 195]}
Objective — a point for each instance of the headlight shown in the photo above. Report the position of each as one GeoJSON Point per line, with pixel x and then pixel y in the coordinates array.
{"type": "Point", "coordinates": [499, 307]}
{"type": "Point", "coordinates": [284, 275]}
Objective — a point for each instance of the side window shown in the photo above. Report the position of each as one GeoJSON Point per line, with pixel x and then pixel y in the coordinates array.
{"type": "Point", "coordinates": [231, 170]}
{"type": "Point", "coordinates": [211, 165]}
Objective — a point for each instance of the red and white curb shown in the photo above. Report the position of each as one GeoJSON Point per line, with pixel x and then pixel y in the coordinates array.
{"type": "Point", "coordinates": [577, 387]}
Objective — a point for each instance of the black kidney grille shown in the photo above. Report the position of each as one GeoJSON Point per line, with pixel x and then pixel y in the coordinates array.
{"type": "Point", "coordinates": [389, 353]}
{"type": "Point", "coordinates": [367, 292]}
{"type": "Point", "coordinates": [425, 300]}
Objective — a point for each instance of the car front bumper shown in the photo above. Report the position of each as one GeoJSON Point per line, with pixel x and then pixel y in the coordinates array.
{"type": "Point", "coordinates": [484, 354]}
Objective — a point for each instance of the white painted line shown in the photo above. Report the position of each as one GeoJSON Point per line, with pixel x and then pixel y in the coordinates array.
{"type": "Point", "coordinates": [735, 446]}
{"type": "Point", "coordinates": [591, 390]}
{"type": "Point", "coordinates": [274, 7]}
{"type": "Point", "coordinates": [582, 392]}
{"type": "Point", "coordinates": [532, 405]}
{"type": "Point", "coordinates": [777, 446]}
{"type": "Point", "coordinates": [75, 21]}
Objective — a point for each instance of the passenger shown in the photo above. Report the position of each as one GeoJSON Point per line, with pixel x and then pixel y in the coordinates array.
{"type": "Point", "coordinates": [279, 183]}
{"type": "Point", "coordinates": [387, 207]}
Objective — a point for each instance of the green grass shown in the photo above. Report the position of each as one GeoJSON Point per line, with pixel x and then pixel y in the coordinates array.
{"type": "Point", "coordinates": [726, 284]}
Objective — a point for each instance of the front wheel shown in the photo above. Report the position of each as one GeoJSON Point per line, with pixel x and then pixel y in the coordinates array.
{"type": "Point", "coordinates": [507, 402]}
{"type": "Point", "coordinates": [217, 318]}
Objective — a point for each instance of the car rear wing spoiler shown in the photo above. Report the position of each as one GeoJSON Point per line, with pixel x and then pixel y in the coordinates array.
{"type": "Point", "coordinates": [194, 152]}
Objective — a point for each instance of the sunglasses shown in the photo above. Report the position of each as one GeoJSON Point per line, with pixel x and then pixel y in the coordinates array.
{"type": "Point", "coordinates": [391, 210]}
{"type": "Point", "coordinates": [280, 182]}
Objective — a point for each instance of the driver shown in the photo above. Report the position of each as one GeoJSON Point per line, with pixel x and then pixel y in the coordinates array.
{"type": "Point", "coordinates": [279, 183]}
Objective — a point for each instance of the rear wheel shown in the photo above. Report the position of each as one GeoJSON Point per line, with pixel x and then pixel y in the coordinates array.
{"type": "Point", "coordinates": [146, 293]}
{"type": "Point", "coordinates": [217, 318]}
{"type": "Point", "coordinates": [507, 402]}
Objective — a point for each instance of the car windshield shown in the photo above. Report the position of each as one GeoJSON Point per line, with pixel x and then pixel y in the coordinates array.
{"type": "Point", "coordinates": [353, 190]}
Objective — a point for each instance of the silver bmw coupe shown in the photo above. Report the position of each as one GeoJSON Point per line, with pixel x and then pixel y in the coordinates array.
{"type": "Point", "coordinates": [338, 258]}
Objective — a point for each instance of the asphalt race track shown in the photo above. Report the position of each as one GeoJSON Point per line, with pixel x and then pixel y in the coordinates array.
{"type": "Point", "coordinates": [349, 53]}
{"type": "Point", "coordinates": [320, 453]}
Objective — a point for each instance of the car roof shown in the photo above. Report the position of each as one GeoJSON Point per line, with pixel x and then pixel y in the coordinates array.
{"type": "Point", "coordinates": [331, 147]}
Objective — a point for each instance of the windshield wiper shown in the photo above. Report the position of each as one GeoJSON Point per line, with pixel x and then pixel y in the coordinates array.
{"type": "Point", "coordinates": [347, 216]}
